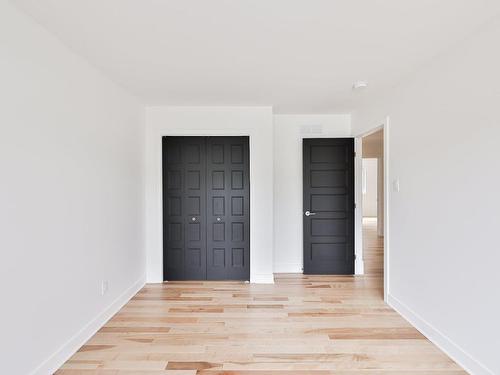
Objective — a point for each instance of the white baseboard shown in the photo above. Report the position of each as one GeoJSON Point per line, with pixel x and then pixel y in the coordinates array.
{"type": "Point", "coordinates": [288, 268]}
{"type": "Point", "coordinates": [359, 266]}
{"type": "Point", "coordinates": [262, 278]}
{"type": "Point", "coordinates": [443, 342]}
{"type": "Point", "coordinates": [154, 280]}
{"type": "Point", "coordinates": [55, 361]}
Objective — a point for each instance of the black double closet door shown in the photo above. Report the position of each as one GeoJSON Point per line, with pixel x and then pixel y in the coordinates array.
{"type": "Point", "coordinates": [206, 208]}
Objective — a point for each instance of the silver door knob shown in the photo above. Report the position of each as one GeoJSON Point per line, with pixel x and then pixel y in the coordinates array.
{"type": "Point", "coordinates": [193, 219]}
{"type": "Point", "coordinates": [218, 219]}
{"type": "Point", "coordinates": [308, 213]}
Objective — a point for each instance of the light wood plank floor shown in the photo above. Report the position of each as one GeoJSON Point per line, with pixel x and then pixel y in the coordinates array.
{"type": "Point", "coordinates": [300, 325]}
{"type": "Point", "coordinates": [373, 251]}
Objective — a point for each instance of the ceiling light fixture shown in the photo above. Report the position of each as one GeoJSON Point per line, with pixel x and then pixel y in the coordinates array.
{"type": "Point", "coordinates": [359, 85]}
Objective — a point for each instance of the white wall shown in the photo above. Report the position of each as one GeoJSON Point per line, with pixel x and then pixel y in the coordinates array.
{"type": "Point", "coordinates": [255, 122]}
{"type": "Point", "coordinates": [71, 154]}
{"type": "Point", "coordinates": [444, 138]}
{"type": "Point", "coordinates": [289, 130]}
{"type": "Point", "coordinates": [370, 180]}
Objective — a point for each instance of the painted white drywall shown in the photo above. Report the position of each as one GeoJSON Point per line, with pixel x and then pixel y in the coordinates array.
{"type": "Point", "coordinates": [444, 252]}
{"type": "Point", "coordinates": [71, 193]}
{"type": "Point", "coordinates": [256, 122]}
{"type": "Point", "coordinates": [289, 130]}
{"type": "Point", "coordinates": [370, 180]}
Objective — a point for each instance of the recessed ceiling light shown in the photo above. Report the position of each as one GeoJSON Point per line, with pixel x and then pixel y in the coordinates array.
{"type": "Point", "coordinates": [359, 85]}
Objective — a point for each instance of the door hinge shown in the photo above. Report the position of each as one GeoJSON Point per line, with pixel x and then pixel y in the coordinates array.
{"type": "Point", "coordinates": [354, 256]}
{"type": "Point", "coordinates": [354, 153]}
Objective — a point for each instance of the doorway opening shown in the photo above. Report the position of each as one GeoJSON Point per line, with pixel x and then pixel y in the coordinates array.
{"type": "Point", "coordinates": [206, 208]}
{"type": "Point", "coordinates": [372, 206]}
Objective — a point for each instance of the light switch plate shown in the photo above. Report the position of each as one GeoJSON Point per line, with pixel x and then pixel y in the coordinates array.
{"type": "Point", "coordinates": [104, 287]}
{"type": "Point", "coordinates": [395, 185]}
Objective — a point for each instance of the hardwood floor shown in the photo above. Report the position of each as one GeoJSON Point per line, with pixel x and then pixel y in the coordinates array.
{"type": "Point", "coordinates": [300, 325]}
{"type": "Point", "coordinates": [373, 251]}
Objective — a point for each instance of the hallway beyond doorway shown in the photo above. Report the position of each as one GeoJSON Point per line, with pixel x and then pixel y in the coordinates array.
{"type": "Point", "coordinates": [373, 251]}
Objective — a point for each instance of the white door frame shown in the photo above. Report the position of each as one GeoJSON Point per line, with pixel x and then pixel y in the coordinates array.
{"type": "Point", "coordinates": [383, 125]}
{"type": "Point", "coordinates": [358, 246]}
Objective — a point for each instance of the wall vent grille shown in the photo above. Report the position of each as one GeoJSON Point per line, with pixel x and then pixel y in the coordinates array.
{"type": "Point", "coordinates": [311, 129]}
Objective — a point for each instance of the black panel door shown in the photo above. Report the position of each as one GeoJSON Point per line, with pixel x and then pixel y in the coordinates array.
{"type": "Point", "coordinates": [228, 219]}
{"type": "Point", "coordinates": [206, 213]}
{"type": "Point", "coordinates": [328, 206]}
{"type": "Point", "coordinates": [184, 208]}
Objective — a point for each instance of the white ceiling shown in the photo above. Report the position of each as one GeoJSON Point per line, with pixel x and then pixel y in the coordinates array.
{"type": "Point", "coordinates": [298, 56]}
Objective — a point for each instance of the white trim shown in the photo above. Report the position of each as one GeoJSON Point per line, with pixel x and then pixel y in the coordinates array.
{"type": "Point", "coordinates": [262, 278]}
{"type": "Point", "coordinates": [386, 127]}
{"type": "Point", "coordinates": [359, 264]}
{"type": "Point", "coordinates": [288, 268]}
{"type": "Point", "coordinates": [443, 342]}
{"type": "Point", "coordinates": [359, 268]}
{"type": "Point", "coordinates": [206, 133]}
{"type": "Point", "coordinates": [56, 360]}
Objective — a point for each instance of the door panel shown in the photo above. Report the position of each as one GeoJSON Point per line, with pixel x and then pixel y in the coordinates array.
{"type": "Point", "coordinates": [228, 193]}
{"type": "Point", "coordinates": [206, 191]}
{"type": "Point", "coordinates": [328, 172]}
{"type": "Point", "coordinates": [194, 153]}
{"type": "Point", "coordinates": [173, 219]}
{"type": "Point", "coordinates": [184, 208]}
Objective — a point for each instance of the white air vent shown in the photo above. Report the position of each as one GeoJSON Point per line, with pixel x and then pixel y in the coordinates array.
{"type": "Point", "coordinates": [311, 129]}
